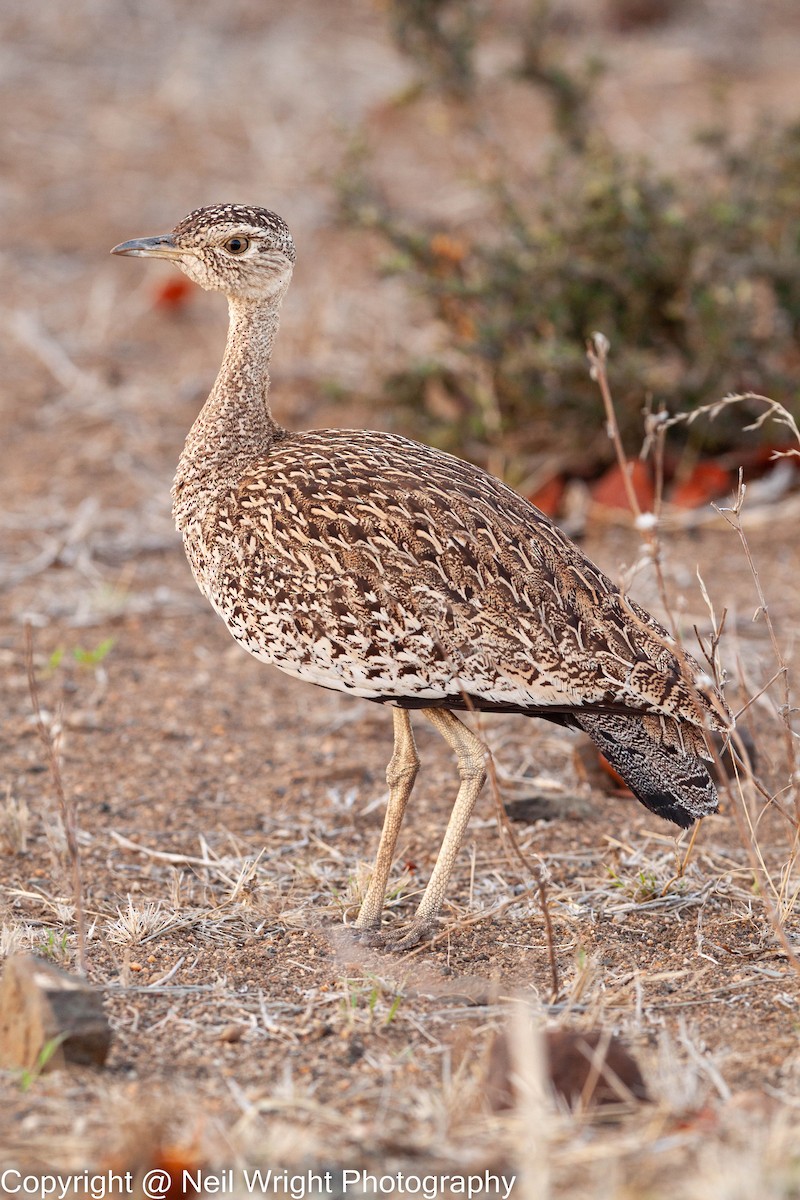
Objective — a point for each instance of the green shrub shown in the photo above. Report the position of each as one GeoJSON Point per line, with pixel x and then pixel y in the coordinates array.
{"type": "Point", "coordinates": [693, 276]}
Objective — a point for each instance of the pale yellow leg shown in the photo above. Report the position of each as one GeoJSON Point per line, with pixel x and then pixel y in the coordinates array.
{"type": "Point", "coordinates": [400, 776]}
{"type": "Point", "coordinates": [471, 755]}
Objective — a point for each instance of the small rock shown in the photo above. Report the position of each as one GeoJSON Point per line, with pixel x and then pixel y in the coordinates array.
{"type": "Point", "coordinates": [49, 1018]}
{"type": "Point", "coordinates": [579, 1078]}
{"type": "Point", "coordinates": [231, 1033]}
{"type": "Point", "coordinates": [571, 1068]}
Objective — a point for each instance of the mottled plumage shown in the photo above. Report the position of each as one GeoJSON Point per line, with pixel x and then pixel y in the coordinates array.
{"type": "Point", "coordinates": [369, 563]}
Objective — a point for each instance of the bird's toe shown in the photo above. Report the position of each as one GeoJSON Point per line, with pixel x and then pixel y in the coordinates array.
{"type": "Point", "coordinates": [373, 937]}
{"type": "Point", "coordinates": [408, 935]}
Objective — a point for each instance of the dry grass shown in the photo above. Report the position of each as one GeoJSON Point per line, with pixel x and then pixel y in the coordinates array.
{"type": "Point", "coordinates": [225, 817]}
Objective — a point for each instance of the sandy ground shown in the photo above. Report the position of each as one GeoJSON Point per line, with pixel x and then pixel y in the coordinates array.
{"type": "Point", "coordinates": [227, 814]}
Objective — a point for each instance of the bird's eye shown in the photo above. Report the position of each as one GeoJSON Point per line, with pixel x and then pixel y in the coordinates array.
{"type": "Point", "coordinates": [237, 245]}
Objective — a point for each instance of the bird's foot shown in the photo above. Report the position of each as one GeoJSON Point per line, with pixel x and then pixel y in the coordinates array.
{"type": "Point", "coordinates": [374, 938]}
{"type": "Point", "coordinates": [396, 938]}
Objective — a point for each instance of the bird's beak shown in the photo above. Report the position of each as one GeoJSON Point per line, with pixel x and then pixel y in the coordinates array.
{"type": "Point", "coordinates": [152, 247]}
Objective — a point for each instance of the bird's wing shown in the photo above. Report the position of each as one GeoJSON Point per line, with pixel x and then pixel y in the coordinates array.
{"type": "Point", "coordinates": [433, 574]}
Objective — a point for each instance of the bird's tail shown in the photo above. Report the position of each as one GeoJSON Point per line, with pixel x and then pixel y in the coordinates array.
{"type": "Point", "coordinates": [660, 760]}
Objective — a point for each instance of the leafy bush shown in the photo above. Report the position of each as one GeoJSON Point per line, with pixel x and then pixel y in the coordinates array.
{"type": "Point", "coordinates": [694, 278]}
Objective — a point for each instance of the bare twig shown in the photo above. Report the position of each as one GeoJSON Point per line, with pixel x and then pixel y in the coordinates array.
{"type": "Point", "coordinates": [30, 332]}
{"type": "Point", "coordinates": [536, 871]}
{"type": "Point", "coordinates": [504, 827]}
{"type": "Point", "coordinates": [597, 349]}
{"type": "Point", "coordinates": [773, 410]}
{"type": "Point", "coordinates": [647, 525]}
{"type": "Point", "coordinates": [733, 517]}
{"type": "Point", "coordinates": [657, 427]}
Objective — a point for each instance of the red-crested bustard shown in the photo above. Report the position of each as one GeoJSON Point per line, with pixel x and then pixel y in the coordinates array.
{"type": "Point", "coordinates": [371, 564]}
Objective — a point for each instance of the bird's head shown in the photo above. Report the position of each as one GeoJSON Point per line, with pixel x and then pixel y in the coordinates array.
{"type": "Point", "coordinates": [247, 253]}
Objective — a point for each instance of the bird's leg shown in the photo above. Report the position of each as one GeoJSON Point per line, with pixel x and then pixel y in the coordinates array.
{"type": "Point", "coordinates": [400, 775]}
{"type": "Point", "coordinates": [471, 755]}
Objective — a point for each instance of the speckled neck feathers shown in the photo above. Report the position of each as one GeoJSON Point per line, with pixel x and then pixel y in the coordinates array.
{"type": "Point", "coordinates": [235, 424]}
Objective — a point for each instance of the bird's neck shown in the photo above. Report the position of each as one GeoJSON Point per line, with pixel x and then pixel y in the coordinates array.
{"type": "Point", "coordinates": [235, 424]}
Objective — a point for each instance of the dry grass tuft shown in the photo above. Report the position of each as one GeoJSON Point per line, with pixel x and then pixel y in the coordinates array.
{"type": "Point", "coordinates": [14, 825]}
{"type": "Point", "coordinates": [751, 796]}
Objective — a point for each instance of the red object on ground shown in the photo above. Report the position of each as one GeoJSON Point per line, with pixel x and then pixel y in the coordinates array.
{"type": "Point", "coordinates": [173, 293]}
{"type": "Point", "coordinates": [610, 490]}
{"type": "Point", "coordinates": [548, 496]}
{"type": "Point", "coordinates": [705, 482]}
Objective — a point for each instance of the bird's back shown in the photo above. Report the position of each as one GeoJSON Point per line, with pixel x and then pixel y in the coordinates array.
{"type": "Point", "coordinates": [370, 563]}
